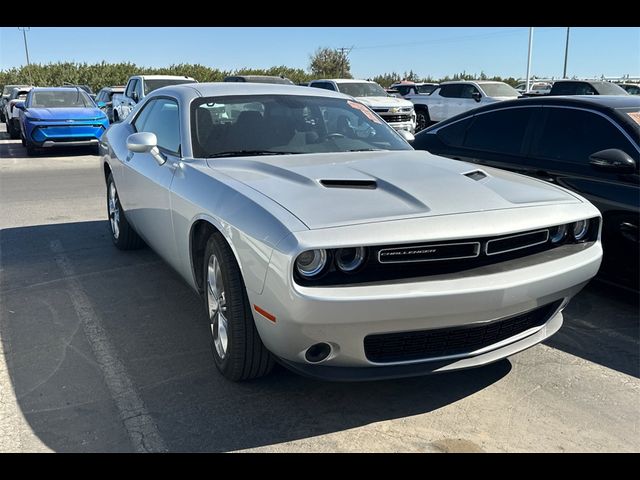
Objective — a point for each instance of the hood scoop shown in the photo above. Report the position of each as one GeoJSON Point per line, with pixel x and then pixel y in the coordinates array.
{"type": "Point", "coordinates": [366, 184]}
{"type": "Point", "coordinates": [476, 175]}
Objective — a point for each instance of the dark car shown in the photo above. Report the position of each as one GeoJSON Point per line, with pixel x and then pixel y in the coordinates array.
{"type": "Point", "coordinates": [587, 144]}
{"type": "Point", "coordinates": [258, 79]}
{"type": "Point", "coordinates": [631, 88]}
{"type": "Point", "coordinates": [104, 99]}
{"type": "Point", "coordinates": [585, 87]}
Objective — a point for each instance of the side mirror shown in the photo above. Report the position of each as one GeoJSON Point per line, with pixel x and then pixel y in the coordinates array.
{"type": "Point", "coordinates": [408, 136]}
{"type": "Point", "coordinates": [476, 96]}
{"type": "Point", "coordinates": [101, 104]}
{"type": "Point", "coordinates": [612, 160]}
{"type": "Point", "coordinates": [20, 106]}
{"type": "Point", "coordinates": [145, 142]}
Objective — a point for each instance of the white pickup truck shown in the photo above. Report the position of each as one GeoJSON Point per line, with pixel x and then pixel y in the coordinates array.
{"type": "Point", "coordinates": [397, 112]}
{"type": "Point", "coordinates": [138, 87]}
{"type": "Point", "coordinates": [452, 98]}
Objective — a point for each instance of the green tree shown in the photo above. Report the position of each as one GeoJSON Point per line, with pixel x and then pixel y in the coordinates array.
{"type": "Point", "coordinates": [329, 63]}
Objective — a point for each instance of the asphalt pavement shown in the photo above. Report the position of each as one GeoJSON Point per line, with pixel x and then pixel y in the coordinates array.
{"type": "Point", "coordinates": [108, 351]}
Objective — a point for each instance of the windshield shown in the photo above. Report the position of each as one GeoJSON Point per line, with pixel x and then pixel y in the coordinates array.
{"type": "Point", "coordinates": [151, 85]}
{"type": "Point", "coordinates": [7, 89]}
{"type": "Point", "coordinates": [606, 88]}
{"type": "Point", "coordinates": [281, 124]}
{"type": "Point", "coordinates": [60, 99]}
{"type": "Point", "coordinates": [362, 89]}
{"type": "Point", "coordinates": [499, 90]}
{"type": "Point", "coordinates": [426, 88]}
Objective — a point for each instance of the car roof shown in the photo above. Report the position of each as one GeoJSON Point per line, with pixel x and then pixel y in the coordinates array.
{"type": "Point", "coordinates": [479, 82]}
{"type": "Point", "coordinates": [62, 89]}
{"type": "Point", "coordinates": [343, 80]}
{"type": "Point", "coordinates": [606, 104]}
{"type": "Point", "coordinates": [218, 89]}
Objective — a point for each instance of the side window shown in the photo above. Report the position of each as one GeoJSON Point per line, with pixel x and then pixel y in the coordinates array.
{"type": "Point", "coordinates": [130, 87]}
{"type": "Point", "coordinates": [502, 131]}
{"type": "Point", "coordinates": [324, 85]}
{"type": "Point", "coordinates": [467, 91]}
{"type": "Point", "coordinates": [161, 117]}
{"type": "Point", "coordinates": [571, 136]}
{"type": "Point", "coordinates": [138, 89]}
{"type": "Point", "coordinates": [451, 91]}
{"type": "Point", "coordinates": [453, 135]}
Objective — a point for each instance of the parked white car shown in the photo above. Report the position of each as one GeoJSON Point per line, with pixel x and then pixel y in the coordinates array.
{"type": "Point", "coordinates": [6, 91]}
{"type": "Point", "coordinates": [341, 255]}
{"type": "Point", "coordinates": [11, 114]}
{"type": "Point", "coordinates": [397, 112]}
{"type": "Point", "coordinates": [538, 88]}
{"type": "Point", "coordinates": [138, 87]}
{"type": "Point", "coordinates": [452, 98]}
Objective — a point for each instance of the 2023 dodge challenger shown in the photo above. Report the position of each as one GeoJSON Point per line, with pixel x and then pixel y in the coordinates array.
{"type": "Point", "coordinates": [319, 238]}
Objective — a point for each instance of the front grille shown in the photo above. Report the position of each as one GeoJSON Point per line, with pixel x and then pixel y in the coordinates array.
{"type": "Point", "coordinates": [396, 118]}
{"type": "Point", "coordinates": [453, 341]}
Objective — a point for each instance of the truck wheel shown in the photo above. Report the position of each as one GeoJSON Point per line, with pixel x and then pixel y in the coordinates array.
{"type": "Point", "coordinates": [116, 118]}
{"type": "Point", "coordinates": [422, 119]}
{"type": "Point", "coordinates": [237, 349]}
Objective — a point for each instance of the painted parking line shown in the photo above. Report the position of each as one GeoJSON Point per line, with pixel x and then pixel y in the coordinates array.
{"type": "Point", "coordinates": [140, 427]}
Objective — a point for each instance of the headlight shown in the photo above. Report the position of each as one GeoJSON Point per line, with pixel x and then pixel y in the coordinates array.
{"type": "Point", "coordinates": [580, 229]}
{"type": "Point", "coordinates": [311, 263]}
{"type": "Point", "coordinates": [558, 233]}
{"type": "Point", "coordinates": [350, 259]}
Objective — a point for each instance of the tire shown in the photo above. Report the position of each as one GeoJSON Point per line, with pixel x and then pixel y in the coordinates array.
{"type": "Point", "coordinates": [2, 119]}
{"type": "Point", "coordinates": [14, 132]}
{"type": "Point", "coordinates": [123, 235]}
{"type": "Point", "coordinates": [243, 356]}
{"type": "Point", "coordinates": [423, 120]}
{"type": "Point", "coordinates": [116, 118]}
{"type": "Point", "coordinates": [31, 148]}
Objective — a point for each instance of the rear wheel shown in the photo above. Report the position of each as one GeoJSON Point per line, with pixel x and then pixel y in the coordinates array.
{"type": "Point", "coordinates": [12, 129]}
{"type": "Point", "coordinates": [122, 234]}
{"type": "Point", "coordinates": [237, 349]}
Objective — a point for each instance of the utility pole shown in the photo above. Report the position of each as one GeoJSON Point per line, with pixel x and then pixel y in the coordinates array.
{"type": "Point", "coordinates": [343, 56]}
{"type": "Point", "coordinates": [26, 50]}
{"type": "Point", "coordinates": [566, 55]}
{"type": "Point", "coordinates": [529, 60]}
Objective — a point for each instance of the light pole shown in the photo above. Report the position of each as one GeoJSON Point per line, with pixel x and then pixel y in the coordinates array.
{"type": "Point", "coordinates": [24, 34]}
{"type": "Point", "coordinates": [529, 60]}
{"type": "Point", "coordinates": [26, 49]}
{"type": "Point", "coordinates": [566, 54]}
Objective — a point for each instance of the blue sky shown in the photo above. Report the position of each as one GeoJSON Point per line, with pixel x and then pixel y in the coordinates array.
{"type": "Point", "coordinates": [435, 51]}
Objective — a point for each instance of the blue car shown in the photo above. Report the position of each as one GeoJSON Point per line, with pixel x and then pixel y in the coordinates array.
{"type": "Point", "coordinates": [52, 117]}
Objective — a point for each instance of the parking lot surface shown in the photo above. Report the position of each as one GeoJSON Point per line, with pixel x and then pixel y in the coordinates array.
{"type": "Point", "coordinates": [103, 350]}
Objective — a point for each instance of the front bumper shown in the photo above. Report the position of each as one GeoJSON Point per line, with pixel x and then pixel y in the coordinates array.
{"type": "Point", "coordinates": [50, 134]}
{"type": "Point", "coordinates": [408, 126]}
{"type": "Point", "coordinates": [343, 316]}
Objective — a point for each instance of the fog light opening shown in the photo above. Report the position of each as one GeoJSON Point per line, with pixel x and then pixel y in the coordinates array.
{"type": "Point", "coordinates": [318, 352]}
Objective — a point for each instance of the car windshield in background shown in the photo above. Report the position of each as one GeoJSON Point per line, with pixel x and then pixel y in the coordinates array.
{"type": "Point", "coordinates": [606, 88]}
{"type": "Point", "coordinates": [426, 88]}
{"type": "Point", "coordinates": [286, 124]}
{"type": "Point", "coordinates": [151, 85]}
{"type": "Point", "coordinates": [363, 89]}
{"type": "Point", "coordinates": [499, 90]}
{"type": "Point", "coordinates": [60, 99]}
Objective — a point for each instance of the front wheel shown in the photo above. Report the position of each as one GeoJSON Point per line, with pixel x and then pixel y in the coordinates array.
{"type": "Point", "coordinates": [237, 349]}
{"type": "Point", "coordinates": [123, 235]}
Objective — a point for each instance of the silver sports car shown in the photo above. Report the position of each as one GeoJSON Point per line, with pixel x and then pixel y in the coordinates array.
{"type": "Point", "coordinates": [320, 239]}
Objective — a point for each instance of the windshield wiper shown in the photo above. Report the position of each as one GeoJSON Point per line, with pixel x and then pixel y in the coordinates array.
{"type": "Point", "coordinates": [249, 153]}
{"type": "Point", "coordinates": [365, 150]}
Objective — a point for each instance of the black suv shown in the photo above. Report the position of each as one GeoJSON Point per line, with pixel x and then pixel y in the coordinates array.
{"type": "Point", "coordinates": [590, 145]}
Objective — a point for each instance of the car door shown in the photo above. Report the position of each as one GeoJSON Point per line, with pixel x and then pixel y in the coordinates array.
{"type": "Point", "coordinates": [445, 102]}
{"type": "Point", "coordinates": [561, 148]}
{"type": "Point", "coordinates": [466, 101]}
{"type": "Point", "coordinates": [127, 101]}
{"type": "Point", "coordinates": [146, 183]}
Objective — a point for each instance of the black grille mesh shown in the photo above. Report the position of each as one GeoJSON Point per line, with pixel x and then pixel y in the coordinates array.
{"type": "Point", "coordinates": [442, 342]}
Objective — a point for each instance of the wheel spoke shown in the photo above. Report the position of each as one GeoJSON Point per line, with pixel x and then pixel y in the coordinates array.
{"type": "Point", "coordinates": [217, 304]}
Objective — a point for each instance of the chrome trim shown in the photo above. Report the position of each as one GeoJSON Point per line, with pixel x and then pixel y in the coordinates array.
{"type": "Point", "coordinates": [486, 246]}
{"type": "Point", "coordinates": [476, 244]}
{"type": "Point", "coordinates": [51, 143]}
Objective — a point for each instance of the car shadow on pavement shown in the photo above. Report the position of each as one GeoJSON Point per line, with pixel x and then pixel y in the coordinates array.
{"type": "Point", "coordinates": [7, 150]}
{"type": "Point", "coordinates": [602, 325]}
{"type": "Point", "coordinates": [156, 327]}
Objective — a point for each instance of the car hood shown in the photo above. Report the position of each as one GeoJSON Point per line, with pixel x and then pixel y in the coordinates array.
{"type": "Point", "coordinates": [90, 113]}
{"type": "Point", "coordinates": [381, 102]}
{"type": "Point", "coordinates": [333, 189]}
